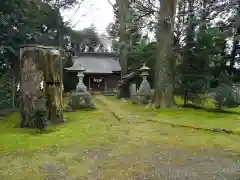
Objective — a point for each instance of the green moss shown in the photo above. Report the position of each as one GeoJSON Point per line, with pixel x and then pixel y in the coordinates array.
{"type": "Point", "coordinates": [181, 116]}
{"type": "Point", "coordinates": [24, 152]}
{"type": "Point", "coordinates": [199, 118]}
{"type": "Point", "coordinates": [84, 127]}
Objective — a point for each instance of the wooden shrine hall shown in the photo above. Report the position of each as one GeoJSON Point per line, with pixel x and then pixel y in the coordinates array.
{"type": "Point", "coordinates": [102, 73]}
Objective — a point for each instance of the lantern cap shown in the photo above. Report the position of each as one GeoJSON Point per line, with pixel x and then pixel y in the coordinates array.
{"type": "Point", "coordinates": [76, 67]}
{"type": "Point", "coordinates": [144, 67]}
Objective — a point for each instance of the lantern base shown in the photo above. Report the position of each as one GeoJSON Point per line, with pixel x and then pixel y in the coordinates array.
{"type": "Point", "coordinates": [81, 88]}
{"type": "Point", "coordinates": [80, 100]}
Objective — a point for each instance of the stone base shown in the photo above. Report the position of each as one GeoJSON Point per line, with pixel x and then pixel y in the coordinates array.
{"type": "Point", "coordinates": [144, 99]}
{"type": "Point", "coordinates": [141, 98]}
{"type": "Point", "coordinates": [80, 100]}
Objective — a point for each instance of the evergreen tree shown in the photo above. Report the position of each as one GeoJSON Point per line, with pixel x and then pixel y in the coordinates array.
{"type": "Point", "coordinates": [225, 94]}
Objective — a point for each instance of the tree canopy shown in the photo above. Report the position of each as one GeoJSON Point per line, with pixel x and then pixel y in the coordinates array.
{"type": "Point", "coordinates": [199, 40]}
{"type": "Point", "coordinates": [204, 45]}
{"type": "Point", "coordinates": [27, 21]}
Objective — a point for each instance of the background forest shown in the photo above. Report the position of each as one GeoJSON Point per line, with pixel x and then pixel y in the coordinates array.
{"type": "Point", "coordinates": [192, 49]}
{"type": "Point", "coordinates": [202, 54]}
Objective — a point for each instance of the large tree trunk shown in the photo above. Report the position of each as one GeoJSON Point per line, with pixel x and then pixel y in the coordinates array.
{"type": "Point", "coordinates": [31, 77]}
{"type": "Point", "coordinates": [235, 41]}
{"type": "Point", "coordinates": [163, 96]}
{"type": "Point", "coordinates": [53, 81]}
{"type": "Point", "coordinates": [39, 63]}
{"type": "Point", "coordinates": [188, 54]}
{"type": "Point", "coordinates": [123, 41]}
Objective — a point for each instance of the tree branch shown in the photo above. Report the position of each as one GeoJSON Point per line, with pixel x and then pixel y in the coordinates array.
{"type": "Point", "coordinates": [143, 15]}
{"type": "Point", "coordinates": [114, 8]}
{"type": "Point", "coordinates": [79, 5]}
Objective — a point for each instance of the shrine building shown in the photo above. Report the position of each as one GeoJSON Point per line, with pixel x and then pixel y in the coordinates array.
{"type": "Point", "coordinates": [102, 71]}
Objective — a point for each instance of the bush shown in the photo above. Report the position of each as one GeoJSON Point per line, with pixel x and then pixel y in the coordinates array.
{"type": "Point", "coordinates": [225, 93]}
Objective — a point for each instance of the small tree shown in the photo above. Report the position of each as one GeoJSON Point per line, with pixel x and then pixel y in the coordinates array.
{"type": "Point", "coordinates": [225, 93]}
{"type": "Point", "coordinates": [192, 86]}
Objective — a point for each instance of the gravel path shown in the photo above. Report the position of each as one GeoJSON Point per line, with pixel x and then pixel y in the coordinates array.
{"type": "Point", "coordinates": [152, 163]}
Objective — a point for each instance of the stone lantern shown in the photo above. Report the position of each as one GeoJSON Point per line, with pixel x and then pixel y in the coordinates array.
{"type": "Point", "coordinates": [81, 98]}
{"type": "Point", "coordinates": [145, 86]}
{"type": "Point", "coordinates": [80, 74]}
{"type": "Point", "coordinates": [144, 72]}
{"type": "Point", "coordinates": [144, 89]}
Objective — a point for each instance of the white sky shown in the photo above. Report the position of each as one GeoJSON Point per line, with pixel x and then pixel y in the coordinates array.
{"type": "Point", "coordinates": [97, 12]}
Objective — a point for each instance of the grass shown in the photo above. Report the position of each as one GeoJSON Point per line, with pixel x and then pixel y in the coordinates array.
{"type": "Point", "coordinates": [24, 152]}
{"type": "Point", "coordinates": [176, 136]}
{"type": "Point", "coordinates": [204, 117]}
{"type": "Point", "coordinates": [81, 127]}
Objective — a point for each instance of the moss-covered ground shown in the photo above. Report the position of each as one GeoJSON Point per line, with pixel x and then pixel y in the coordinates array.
{"type": "Point", "coordinates": [205, 116]}
{"type": "Point", "coordinates": [118, 141]}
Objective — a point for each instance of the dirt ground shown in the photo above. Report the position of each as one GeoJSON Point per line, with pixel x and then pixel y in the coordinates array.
{"type": "Point", "coordinates": [148, 162]}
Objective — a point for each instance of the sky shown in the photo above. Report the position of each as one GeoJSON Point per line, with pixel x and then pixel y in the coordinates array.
{"type": "Point", "coordinates": [97, 12]}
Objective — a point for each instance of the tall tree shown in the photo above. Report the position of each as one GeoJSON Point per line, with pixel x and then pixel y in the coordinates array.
{"type": "Point", "coordinates": [236, 39]}
{"type": "Point", "coordinates": [164, 64]}
{"type": "Point", "coordinates": [123, 40]}
{"type": "Point", "coordinates": [84, 40]}
{"type": "Point", "coordinates": [125, 31]}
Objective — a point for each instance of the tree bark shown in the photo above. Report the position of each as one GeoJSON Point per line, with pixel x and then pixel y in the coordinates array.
{"type": "Point", "coordinates": [234, 52]}
{"type": "Point", "coordinates": [123, 41]}
{"type": "Point", "coordinates": [53, 81]}
{"type": "Point", "coordinates": [235, 42]}
{"type": "Point", "coordinates": [13, 86]}
{"type": "Point", "coordinates": [39, 63]}
{"type": "Point", "coordinates": [163, 96]}
{"type": "Point", "coordinates": [188, 54]}
{"type": "Point", "coordinates": [31, 77]}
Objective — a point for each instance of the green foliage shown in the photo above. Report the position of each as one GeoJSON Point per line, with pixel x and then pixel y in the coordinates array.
{"type": "Point", "coordinates": [191, 87]}
{"type": "Point", "coordinates": [8, 95]}
{"type": "Point", "coordinates": [143, 53]}
{"type": "Point", "coordinates": [61, 4]}
{"type": "Point", "coordinates": [25, 22]}
{"type": "Point", "coordinates": [195, 72]}
{"type": "Point", "coordinates": [84, 40]}
{"type": "Point", "coordinates": [226, 95]}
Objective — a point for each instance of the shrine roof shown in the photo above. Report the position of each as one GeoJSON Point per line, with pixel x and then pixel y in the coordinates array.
{"type": "Point", "coordinates": [98, 62]}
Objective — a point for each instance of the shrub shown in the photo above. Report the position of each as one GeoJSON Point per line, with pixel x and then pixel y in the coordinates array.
{"type": "Point", "coordinates": [225, 93]}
